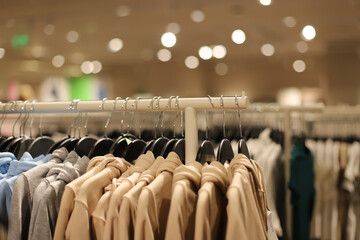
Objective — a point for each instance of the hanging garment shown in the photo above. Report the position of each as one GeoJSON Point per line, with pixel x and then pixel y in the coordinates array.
{"type": "Point", "coordinates": [181, 219]}
{"type": "Point", "coordinates": [210, 222]}
{"type": "Point", "coordinates": [247, 203]}
{"type": "Point", "coordinates": [45, 210]}
{"type": "Point", "coordinates": [88, 196]}
{"type": "Point", "coordinates": [268, 154]}
{"type": "Point", "coordinates": [96, 165]}
{"type": "Point", "coordinates": [121, 188]}
{"type": "Point", "coordinates": [128, 209]}
{"type": "Point", "coordinates": [343, 204]}
{"type": "Point", "coordinates": [302, 189]}
{"type": "Point", "coordinates": [7, 183]}
{"type": "Point", "coordinates": [352, 185]}
{"type": "Point", "coordinates": [5, 159]}
{"type": "Point", "coordinates": [154, 202]}
{"type": "Point", "coordinates": [22, 199]}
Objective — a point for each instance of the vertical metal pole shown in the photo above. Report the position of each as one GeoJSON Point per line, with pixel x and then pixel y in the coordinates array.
{"type": "Point", "coordinates": [287, 155]}
{"type": "Point", "coordinates": [191, 134]}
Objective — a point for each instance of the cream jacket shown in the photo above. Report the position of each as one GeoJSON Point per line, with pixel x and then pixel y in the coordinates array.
{"type": "Point", "coordinates": [247, 204]}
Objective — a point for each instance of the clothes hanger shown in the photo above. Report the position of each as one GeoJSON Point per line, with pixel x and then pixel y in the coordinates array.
{"type": "Point", "coordinates": [171, 142]}
{"type": "Point", "coordinates": [150, 142]}
{"type": "Point", "coordinates": [103, 145]}
{"type": "Point", "coordinates": [160, 142]}
{"type": "Point", "coordinates": [120, 144]}
{"type": "Point", "coordinates": [3, 117]}
{"type": "Point", "coordinates": [5, 143]}
{"type": "Point", "coordinates": [242, 146]}
{"type": "Point", "coordinates": [225, 151]}
{"type": "Point", "coordinates": [69, 141]}
{"type": "Point", "coordinates": [206, 152]}
{"type": "Point", "coordinates": [177, 146]}
{"type": "Point", "coordinates": [13, 145]}
{"type": "Point", "coordinates": [26, 142]}
{"type": "Point", "coordinates": [135, 148]}
{"type": "Point", "coordinates": [84, 145]}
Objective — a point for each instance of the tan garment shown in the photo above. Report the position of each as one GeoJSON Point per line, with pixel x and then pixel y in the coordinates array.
{"type": "Point", "coordinates": [210, 222]}
{"type": "Point", "coordinates": [343, 195]}
{"type": "Point", "coordinates": [154, 202]}
{"type": "Point", "coordinates": [127, 213]}
{"type": "Point", "coordinates": [88, 196]}
{"type": "Point", "coordinates": [246, 210]}
{"type": "Point", "coordinates": [96, 165]}
{"type": "Point", "coordinates": [181, 219]}
{"type": "Point", "coordinates": [141, 164]}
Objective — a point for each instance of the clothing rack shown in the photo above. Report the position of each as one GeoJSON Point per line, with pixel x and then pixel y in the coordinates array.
{"type": "Point", "coordinates": [190, 106]}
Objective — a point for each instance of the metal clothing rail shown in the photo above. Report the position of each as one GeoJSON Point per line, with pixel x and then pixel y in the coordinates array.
{"type": "Point", "coordinates": [189, 105]}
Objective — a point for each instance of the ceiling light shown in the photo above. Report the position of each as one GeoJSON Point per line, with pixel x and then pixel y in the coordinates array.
{"type": "Point", "coordinates": [58, 61]}
{"type": "Point", "coordinates": [49, 29]}
{"type": "Point", "coordinates": [123, 11]}
{"type": "Point", "coordinates": [221, 69]}
{"type": "Point", "coordinates": [168, 39]}
{"type": "Point", "coordinates": [191, 62]}
{"type": "Point", "coordinates": [299, 66]}
{"type": "Point", "coordinates": [173, 27]}
{"type": "Point", "coordinates": [308, 33]}
{"type": "Point", "coordinates": [238, 36]}
{"type": "Point", "coordinates": [72, 36]}
{"type": "Point", "coordinates": [164, 55]}
{"type": "Point", "coordinates": [97, 66]}
{"type": "Point", "coordinates": [289, 21]}
{"type": "Point", "coordinates": [302, 47]}
{"type": "Point", "coordinates": [205, 52]}
{"type": "Point", "coordinates": [115, 45]}
{"type": "Point", "coordinates": [2, 53]}
{"type": "Point", "coordinates": [265, 2]}
{"type": "Point", "coordinates": [197, 16]}
{"type": "Point", "coordinates": [87, 67]}
{"type": "Point", "coordinates": [219, 51]}
{"type": "Point", "coordinates": [37, 51]}
{"type": "Point", "coordinates": [267, 50]}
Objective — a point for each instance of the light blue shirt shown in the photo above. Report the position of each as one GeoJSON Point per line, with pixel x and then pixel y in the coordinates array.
{"type": "Point", "coordinates": [25, 163]}
{"type": "Point", "coordinates": [5, 159]}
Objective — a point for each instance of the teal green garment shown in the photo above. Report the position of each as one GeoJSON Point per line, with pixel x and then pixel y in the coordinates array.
{"type": "Point", "coordinates": [302, 188]}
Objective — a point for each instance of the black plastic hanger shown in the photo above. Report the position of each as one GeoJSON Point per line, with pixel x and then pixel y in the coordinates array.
{"type": "Point", "coordinates": [8, 142]}
{"type": "Point", "coordinates": [103, 145]}
{"type": "Point", "coordinates": [206, 152]}
{"type": "Point", "coordinates": [225, 151]}
{"type": "Point", "coordinates": [84, 145]}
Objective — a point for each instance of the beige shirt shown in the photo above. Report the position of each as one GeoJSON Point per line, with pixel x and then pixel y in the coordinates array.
{"type": "Point", "coordinates": [154, 202]}
{"type": "Point", "coordinates": [127, 214]}
{"type": "Point", "coordinates": [181, 219]}
{"type": "Point", "coordinates": [141, 164]}
{"type": "Point", "coordinates": [96, 165]}
{"type": "Point", "coordinates": [210, 222]}
{"type": "Point", "coordinates": [88, 196]}
{"type": "Point", "coordinates": [247, 203]}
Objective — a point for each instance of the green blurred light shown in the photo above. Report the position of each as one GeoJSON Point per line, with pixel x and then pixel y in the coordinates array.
{"type": "Point", "coordinates": [19, 41]}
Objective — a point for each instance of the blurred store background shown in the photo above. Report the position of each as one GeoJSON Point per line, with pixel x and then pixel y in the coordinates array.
{"type": "Point", "coordinates": [293, 52]}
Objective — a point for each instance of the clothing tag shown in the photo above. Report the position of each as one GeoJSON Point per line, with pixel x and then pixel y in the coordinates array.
{"type": "Point", "coordinates": [271, 232]}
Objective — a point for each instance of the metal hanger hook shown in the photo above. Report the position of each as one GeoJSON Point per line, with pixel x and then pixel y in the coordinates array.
{"type": "Point", "coordinates": [22, 125]}
{"type": "Point", "coordinates": [224, 122]}
{"type": "Point", "coordinates": [72, 106]}
{"type": "Point", "coordinates": [110, 114]}
{"type": "Point", "coordinates": [237, 103]}
{"type": "Point", "coordinates": [14, 109]}
{"type": "Point", "coordinates": [5, 112]}
{"type": "Point", "coordinates": [32, 109]}
{"type": "Point", "coordinates": [135, 103]}
{"type": "Point", "coordinates": [152, 101]}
